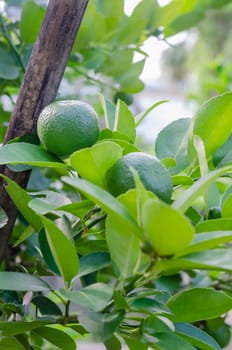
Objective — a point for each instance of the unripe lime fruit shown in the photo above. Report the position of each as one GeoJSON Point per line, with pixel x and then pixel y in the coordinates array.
{"type": "Point", "coordinates": [151, 171]}
{"type": "Point", "coordinates": [67, 126]}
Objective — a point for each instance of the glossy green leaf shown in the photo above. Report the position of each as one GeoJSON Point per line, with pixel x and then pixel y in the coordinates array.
{"type": "Point", "coordinates": [214, 225]}
{"type": "Point", "coordinates": [113, 343]}
{"type": "Point", "coordinates": [78, 209]}
{"type": "Point", "coordinates": [10, 344]}
{"type": "Point", "coordinates": [196, 304]}
{"type": "Point", "coordinates": [102, 326]}
{"type": "Point", "coordinates": [19, 327]}
{"type": "Point", "coordinates": [94, 297]}
{"type": "Point", "coordinates": [93, 163]}
{"type": "Point", "coordinates": [46, 306]}
{"type": "Point", "coordinates": [29, 154]}
{"type": "Point", "coordinates": [124, 122]}
{"type": "Point", "coordinates": [93, 262]}
{"type": "Point", "coordinates": [185, 200]}
{"type": "Point", "coordinates": [170, 341]}
{"type": "Point", "coordinates": [57, 336]}
{"type": "Point", "coordinates": [124, 245]}
{"type": "Point", "coordinates": [167, 236]}
{"type": "Point", "coordinates": [212, 123]}
{"type": "Point", "coordinates": [227, 207]}
{"type": "Point", "coordinates": [31, 19]}
{"type": "Point", "coordinates": [8, 67]}
{"type": "Point", "coordinates": [109, 112]}
{"type": "Point", "coordinates": [172, 142]}
{"type": "Point", "coordinates": [21, 282]}
{"type": "Point", "coordinates": [46, 252]}
{"type": "Point", "coordinates": [223, 155]}
{"type": "Point", "coordinates": [154, 324]}
{"type": "Point", "coordinates": [107, 202]}
{"type": "Point", "coordinates": [62, 249]}
{"type": "Point", "coordinates": [29, 230]}
{"type": "Point", "coordinates": [47, 201]}
{"type": "Point", "coordinates": [217, 259]}
{"type": "Point", "coordinates": [206, 240]}
{"type": "Point", "coordinates": [196, 336]}
{"type": "Point", "coordinates": [135, 344]}
{"type": "Point", "coordinates": [21, 199]}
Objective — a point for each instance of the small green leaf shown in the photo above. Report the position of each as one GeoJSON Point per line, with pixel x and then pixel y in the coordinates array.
{"type": "Point", "coordinates": [187, 198]}
{"type": "Point", "coordinates": [206, 240]}
{"type": "Point", "coordinates": [93, 163]}
{"type": "Point", "coordinates": [46, 252]}
{"type": "Point", "coordinates": [47, 201]}
{"type": "Point", "coordinates": [124, 121]}
{"type": "Point", "coordinates": [107, 202]}
{"type": "Point", "coordinates": [226, 209]}
{"type": "Point", "coordinates": [167, 236]}
{"type": "Point", "coordinates": [31, 19]}
{"type": "Point", "coordinates": [212, 123]}
{"type": "Point", "coordinates": [21, 282]}
{"type": "Point", "coordinates": [93, 262]}
{"type": "Point", "coordinates": [21, 199]}
{"type": "Point", "coordinates": [29, 154]}
{"type": "Point", "coordinates": [109, 112]}
{"type": "Point", "coordinates": [102, 326]}
{"type": "Point", "coordinates": [196, 336]}
{"type": "Point", "coordinates": [214, 225]}
{"type": "Point", "coordinates": [63, 250]}
{"type": "Point", "coordinates": [19, 327]}
{"type": "Point", "coordinates": [172, 141]}
{"type": "Point", "coordinates": [94, 297]}
{"type": "Point", "coordinates": [57, 335]}
{"type": "Point", "coordinates": [26, 234]}
{"type": "Point", "coordinates": [196, 304]}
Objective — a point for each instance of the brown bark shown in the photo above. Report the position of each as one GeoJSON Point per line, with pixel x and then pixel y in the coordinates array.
{"type": "Point", "coordinates": [39, 87]}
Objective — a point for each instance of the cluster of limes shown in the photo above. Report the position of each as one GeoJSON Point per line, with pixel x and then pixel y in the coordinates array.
{"type": "Point", "coordinates": [67, 126]}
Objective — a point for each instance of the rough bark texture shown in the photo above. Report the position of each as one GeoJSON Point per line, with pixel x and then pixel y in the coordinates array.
{"type": "Point", "coordinates": [42, 79]}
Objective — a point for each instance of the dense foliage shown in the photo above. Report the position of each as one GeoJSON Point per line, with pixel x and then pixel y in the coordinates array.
{"type": "Point", "coordinates": [133, 269]}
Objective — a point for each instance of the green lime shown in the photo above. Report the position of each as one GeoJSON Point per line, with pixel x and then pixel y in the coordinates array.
{"type": "Point", "coordinates": [151, 171]}
{"type": "Point", "coordinates": [67, 126]}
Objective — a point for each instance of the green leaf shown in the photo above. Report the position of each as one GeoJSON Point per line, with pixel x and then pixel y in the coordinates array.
{"type": "Point", "coordinates": [196, 336]}
{"type": "Point", "coordinates": [57, 335]}
{"type": "Point", "coordinates": [107, 202]}
{"type": "Point", "coordinates": [212, 123]}
{"type": "Point", "coordinates": [226, 209]}
{"type": "Point", "coordinates": [172, 141]}
{"type": "Point", "coordinates": [217, 259]}
{"type": "Point", "coordinates": [148, 9]}
{"type": "Point", "coordinates": [47, 201]}
{"type": "Point", "coordinates": [26, 234]}
{"type": "Point", "coordinates": [93, 163]}
{"type": "Point", "coordinates": [3, 218]}
{"type": "Point", "coordinates": [46, 252]}
{"type": "Point", "coordinates": [206, 240]}
{"type": "Point", "coordinates": [102, 326]}
{"type": "Point", "coordinates": [109, 112]}
{"type": "Point", "coordinates": [154, 324]}
{"type": "Point", "coordinates": [10, 344]}
{"type": "Point", "coordinates": [124, 122]}
{"type": "Point", "coordinates": [214, 225]}
{"type": "Point", "coordinates": [21, 282]}
{"type": "Point", "coordinates": [29, 154]}
{"type": "Point", "coordinates": [123, 244]}
{"type": "Point", "coordinates": [93, 262]}
{"type": "Point", "coordinates": [78, 209]}
{"type": "Point", "coordinates": [46, 306]}
{"type": "Point", "coordinates": [167, 236]}
{"type": "Point", "coordinates": [113, 343]}
{"type": "Point", "coordinates": [63, 250]}
{"type": "Point", "coordinates": [19, 327]}
{"type": "Point", "coordinates": [21, 199]}
{"type": "Point", "coordinates": [94, 297]}
{"type": "Point", "coordinates": [31, 19]}
{"type": "Point", "coordinates": [8, 67]}
{"type": "Point", "coordinates": [135, 344]}
{"type": "Point", "coordinates": [129, 82]}
{"type": "Point", "coordinates": [187, 198]}
{"type": "Point", "coordinates": [196, 304]}
{"type": "Point", "coordinates": [170, 341]}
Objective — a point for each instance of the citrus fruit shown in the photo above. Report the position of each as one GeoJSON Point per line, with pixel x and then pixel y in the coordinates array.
{"type": "Point", "coordinates": [151, 171]}
{"type": "Point", "coordinates": [67, 126]}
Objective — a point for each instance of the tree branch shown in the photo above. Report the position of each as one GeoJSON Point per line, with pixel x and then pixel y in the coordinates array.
{"type": "Point", "coordinates": [39, 87]}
